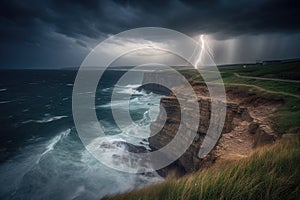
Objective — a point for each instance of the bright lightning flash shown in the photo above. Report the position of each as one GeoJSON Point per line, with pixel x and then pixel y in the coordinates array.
{"type": "Point", "coordinates": [201, 39]}
{"type": "Point", "coordinates": [201, 48]}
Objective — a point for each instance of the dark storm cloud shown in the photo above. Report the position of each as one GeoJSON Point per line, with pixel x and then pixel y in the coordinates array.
{"type": "Point", "coordinates": [242, 17]}
{"type": "Point", "coordinates": [228, 17]}
{"type": "Point", "coordinates": [39, 25]}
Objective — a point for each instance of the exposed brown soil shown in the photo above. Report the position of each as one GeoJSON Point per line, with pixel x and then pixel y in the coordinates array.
{"type": "Point", "coordinates": [241, 141]}
{"type": "Point", "coordinates": [235, 145]}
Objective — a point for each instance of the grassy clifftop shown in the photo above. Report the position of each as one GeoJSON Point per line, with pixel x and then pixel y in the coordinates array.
{"type": "Point", "coordinates": [288, 116]}
{"type": "Point", "coordinates": [272, 172]}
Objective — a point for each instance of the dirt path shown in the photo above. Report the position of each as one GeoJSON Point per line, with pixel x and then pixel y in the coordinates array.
{"type": "Point", "coordinates": [267, 79]}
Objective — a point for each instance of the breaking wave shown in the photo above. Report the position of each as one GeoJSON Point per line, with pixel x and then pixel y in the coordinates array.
{"type": "Point", "coordinates": [45, 119]}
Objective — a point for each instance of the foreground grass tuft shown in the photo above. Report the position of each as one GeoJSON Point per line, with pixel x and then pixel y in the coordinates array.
{"type": "Point", "coordinates": [272, 172]}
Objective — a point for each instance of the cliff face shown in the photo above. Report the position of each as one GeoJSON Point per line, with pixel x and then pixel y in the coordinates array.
{"type": "Point", "coordinates": [242, 131]}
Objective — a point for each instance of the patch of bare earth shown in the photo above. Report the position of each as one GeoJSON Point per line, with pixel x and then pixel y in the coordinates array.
{"type": "Point", "coordinates": [242, 140]}
{"type": "Point", "coordinates": [236, 144]}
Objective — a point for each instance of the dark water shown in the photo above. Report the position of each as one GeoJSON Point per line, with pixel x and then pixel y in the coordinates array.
{"type": "Point", "coordinates": [41, 154]}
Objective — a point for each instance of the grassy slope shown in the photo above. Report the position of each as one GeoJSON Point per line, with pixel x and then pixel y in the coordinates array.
{"type": "Point", "coordinates": [270, 173]}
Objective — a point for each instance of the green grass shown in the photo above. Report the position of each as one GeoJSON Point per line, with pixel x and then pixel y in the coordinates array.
{"type": "Point", "coordinates": [288, 70]}
{"type": "Point", "coordinates": [272, 172]}
{"type": "Point", "coordinates": [287, 118]}
{"type": "Point", "coordinates": [284, 87]}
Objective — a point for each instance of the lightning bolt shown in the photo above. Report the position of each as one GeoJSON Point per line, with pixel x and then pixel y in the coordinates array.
{"type": "Point", "coordinates": [201, 48]}
{"type": "Point", "coordinates": [199, 59]}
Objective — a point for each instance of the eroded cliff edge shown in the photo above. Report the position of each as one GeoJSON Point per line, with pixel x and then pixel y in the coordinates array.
{"type": "Point", "coordinates": [247, 126]}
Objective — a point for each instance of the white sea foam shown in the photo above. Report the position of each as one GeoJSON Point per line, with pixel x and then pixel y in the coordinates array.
{"type": "Point", "coordinates": [54, 141]}
{"type": "Point", "coordinates": [128, 86]}
{"type": "Point", "coordinates": [141, 128]}
{"type": "Point", "coordinates": [45, 119]}
{"type": "Point", "coordinates": [110, 148]}
{"type": "Point", "coordinates": [106, 89]}
{"type": "Point", "coordinates": [114, 103]}
{"type": "Point", "coordinates": [2, 89]}
{"type": "Point", "coordinates": [114, 153]}
{"type": "Point", "coordinates": [143, 101]}
{"type": "Point", "coordinates": [3, 102]}
{"type": "Point", "coordinates": [53, 163]}
{"type": "Point", "coordinates": [63, 157]}
{"type": "Point", "coordinates": [25, 110]}
{"type": "Point", "coordinates": [128, 89]}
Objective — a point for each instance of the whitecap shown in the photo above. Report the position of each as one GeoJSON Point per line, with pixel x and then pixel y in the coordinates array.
{"type": "Point", "coordinates": [128, 89]}
{"type": "Point", "coordinates": [135, 103]}
{"type": "Point", "coordinates": [45, 119]}
{"type": "Point", "coordinates": [3, 102]}
{"type": "Point", "coordinates": [56, 172]}
{"type": "Point", "coordinates": [129, 85]}
{"type": "Point", "coordinates": [114, 153]}
{"type": "Point", "coordinates": [54, 141]}
{"type": "Point", "coordinates": [2, 89]}
{"type": "Point", "coordinates": [119, 104]}
{"type": "Point", "coordinates": [50, 119]}
{"type": "Point", "coordinates": [106, 89]}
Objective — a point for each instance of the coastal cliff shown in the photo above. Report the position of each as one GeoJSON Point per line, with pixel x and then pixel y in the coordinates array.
{"type": "Point", "coordinates": [244, 128]}
{"type": "Point", "coordinates": [257, 154]}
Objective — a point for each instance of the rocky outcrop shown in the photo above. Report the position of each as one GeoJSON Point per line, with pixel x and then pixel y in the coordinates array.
{"type": "Point", "coordinates": [155, 88]}
{"type": "Point", "coordinates": [160, 81]}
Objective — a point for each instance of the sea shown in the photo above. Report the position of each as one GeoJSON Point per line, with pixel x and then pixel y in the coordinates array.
{"type": "Point", "coordinates": [41, 154]}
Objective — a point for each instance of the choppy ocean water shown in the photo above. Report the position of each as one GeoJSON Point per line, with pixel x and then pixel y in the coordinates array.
{"type": "Point", "coordinates": [41, 155]}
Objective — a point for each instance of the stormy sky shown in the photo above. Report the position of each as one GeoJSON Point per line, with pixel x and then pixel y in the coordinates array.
{"type": "Point", "coordinates": [60, 33]}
